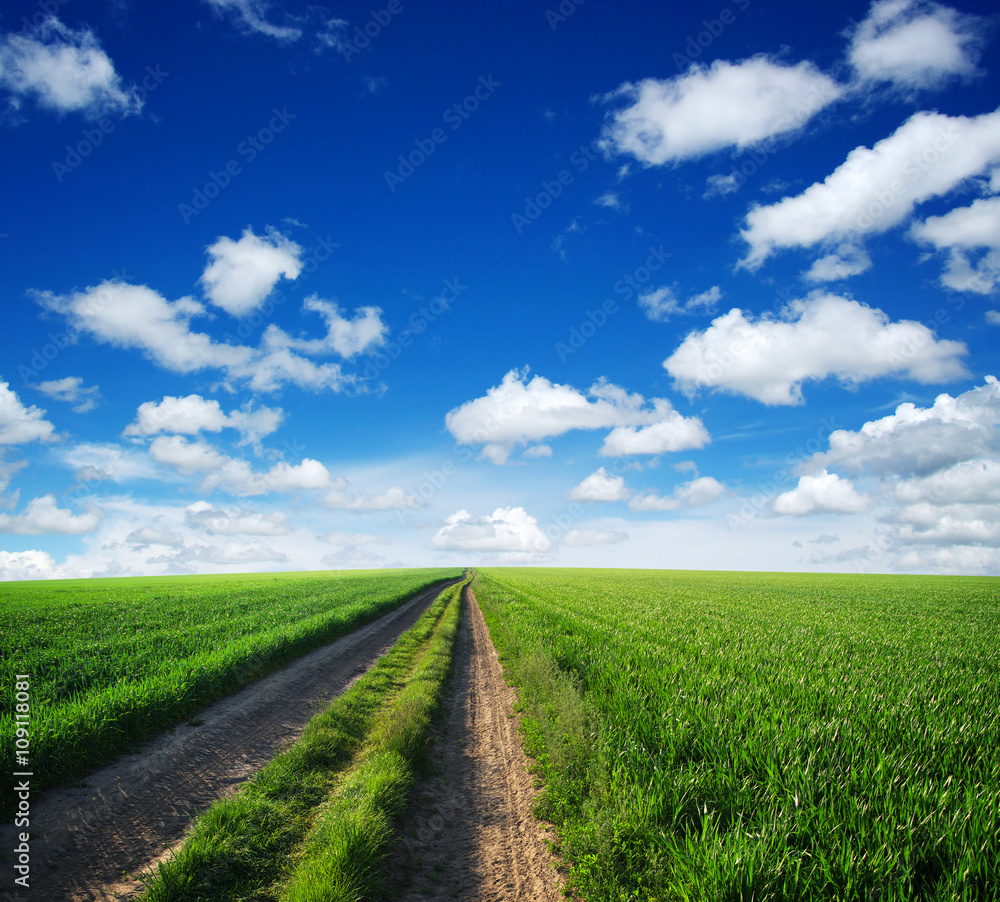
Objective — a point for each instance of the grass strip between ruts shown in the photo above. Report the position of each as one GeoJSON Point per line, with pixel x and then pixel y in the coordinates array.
{"type": "Point", "coordinates": [341, 857]}
{"type": "Point", "coordinates": [244, 846]}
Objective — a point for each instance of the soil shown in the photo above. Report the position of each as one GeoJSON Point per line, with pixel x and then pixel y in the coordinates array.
{"type": "Point", "coordinates": [93, 840]}
{"type": "Point", "coordinates": [470, 833]}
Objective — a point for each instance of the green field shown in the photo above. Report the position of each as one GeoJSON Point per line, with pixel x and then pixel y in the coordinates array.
{"type": "Point", "coordinates": [114, 661]}
{"type": "Point", "coordinates": [738, 736]}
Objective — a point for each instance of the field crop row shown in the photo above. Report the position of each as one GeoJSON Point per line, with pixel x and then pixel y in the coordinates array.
{"type": "Point", "coordinates": [760, 736]}
{"type": "Point", "coordinates": [112, 662]}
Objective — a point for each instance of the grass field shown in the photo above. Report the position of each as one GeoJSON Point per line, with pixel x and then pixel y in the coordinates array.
{"type": "Point", "coordinates": [317, 820]}
{"type": "Point", "coordinates": [114, 661]}
{"type": "Point", "coordinates": [737, 736]}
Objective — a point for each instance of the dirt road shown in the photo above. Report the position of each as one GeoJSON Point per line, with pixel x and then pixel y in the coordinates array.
{"type": "Point", "coordinates": [89, 842]}
{"type": "Point", "coordinates": [470, 834]}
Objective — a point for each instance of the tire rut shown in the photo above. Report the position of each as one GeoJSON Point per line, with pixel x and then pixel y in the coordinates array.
{"type": "Point", "coordinates": [470, 833]}
{"type": "Point", "coordinates": [91, 842]}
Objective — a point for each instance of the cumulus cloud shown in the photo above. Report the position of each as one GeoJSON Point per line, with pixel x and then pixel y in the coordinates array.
{"type": "Point", "coordinates": [19, 424]}
{"type": "Point", "coordinates": [96, 461]}
{"type": "Point", "coordinates": [823, 335]}
{"type": "Point", "coordinates": [63, 70]}
{"type": "Point", "coordinates": [581, 538]}
{"type": "Point", "coordinates": [961, 231]}
{"type": "Point", "coordinates": [241, 274]}
{"type": "Point", "coordinates": [26, 565]}
{"type": "Point", "coordinates": [848, 260]}
{"type": "Point", "coordinates": [697, 492]}
{"type": "Point", "coordinates": [44, 516]}
{"type": "Point", "coordinates": [236, 521]}
{"type": "Point", "coordinates": [877, 188]}
{"type": "Point", "coordinates": [821, 492]}
{"type": "Point", "coordinates": [918, 441]}
{"type": "Point", "coordinates": [507, 529]}
{"type": "Point", "coordinates": [914, 44]}
{"type": "Point", "coordinates": [136, 316]}
{"type": "Point", "coordinates": [346, 337]}
{"type": "Point", "coordinates": [662, 304]}
{"type": "Point", "coordinates": [932, 477]}
{"type": "Point", "coordinates": [600, 486]}
{"type": "Point", "coordinates": [519, 412]}
{"type": "Point", "coordinates": [711, 108]}
{"type": "Point", "coordinates": [71, 390]}
{"type": "Point", "coordinates": [192, 414]}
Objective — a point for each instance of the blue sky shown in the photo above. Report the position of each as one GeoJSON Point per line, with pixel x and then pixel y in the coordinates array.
{"type": "Point", "coordinates": [289, 286]}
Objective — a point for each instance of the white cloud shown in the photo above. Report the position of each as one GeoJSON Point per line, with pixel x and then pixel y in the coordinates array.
{"type": "Point", "coordinates": [711, 108]}
{"type": "Point", "coordinates": [44, 516]}
{"type": "Point", "coordinates": [507, 529]}
{"type": "Point", "coordinates": [187, 457]}
{"type": "Point", "coordinates": [977, 225]}
{"type": "Point", "coordinates": [241, 274]}
{"type": "Point", "coordinates": [820, 336]}
{"type": "Point", "coordinates": [94, 461]}
{"type": "Point", "coordinates": [661, 304]}
{"type": "Point", "coordinates": [876, 188]}
{"type": "Point", "coordinates": [346, 337]}
{"type": "Point", "coordinates": [71, 391]}
{"type": "Point", "coordinates": [582, 538]}
{"type": "Point", "coordinates": [673, 432]}
{"type": "Point", "coordinates": [519, 412]}
{"type": "Point", "coordinates": [135, 316]}
{"type": "Point", "coordinates": [353, 539]}
{"type": "Point", "coordinates": [821, 492]}
{"type": "Point", "coordinates": [229, 553]}
{"type": "Point", "coordinates": [19, 424]}
{"type": "Point", "coordinates": [993, 317]}
{"type": "Point", "coordinates": [252, 16]}
{"type": "Point", "coordinates": [609, 199]}
{"type": "Point", "coordinates": [192, 414]}
{"type": "Point", "coordinates": [600, 486]}
{"type": "Point", "coordinates": [698, 492]}
{"type": "Point", "coordinates": [848, 260]}
{"type": "Point", "coordinates": [960, 231]}
{"type": "Point", "coordinates": [395, 498]}
{"type": "Point", "coordinates": [236, 521]}
{"type": "Point", "coordinates": [919, 441]}
{"type": "Point", "coordinates": [154, 534]}
{"type": "Point", "coordinates": [914, 44]}
{"type": "Point", "coordinates": [64, 70]}
{"type": "Point", "coordinates": [26, 565]}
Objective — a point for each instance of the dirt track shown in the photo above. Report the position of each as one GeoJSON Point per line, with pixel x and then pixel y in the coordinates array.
{"type": "Point", "coordinates": [131, 813]}
{"type": "Point", "coordinates": [470, 834]}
